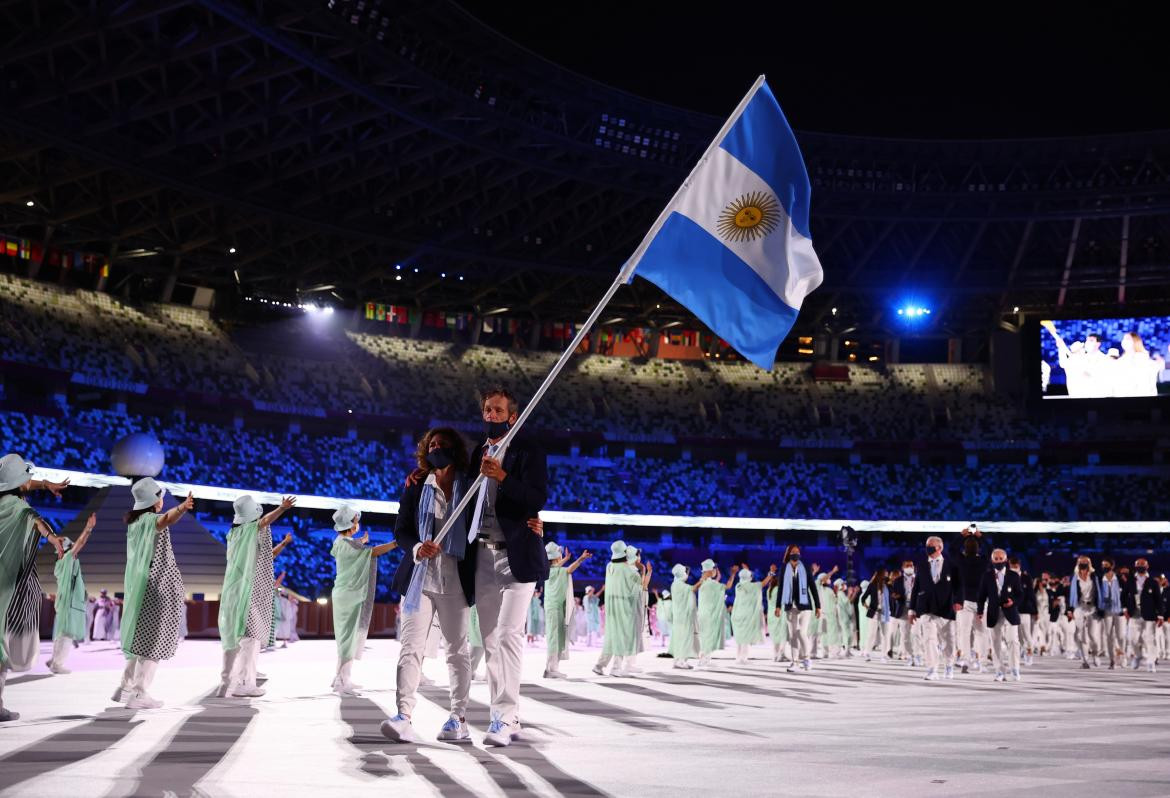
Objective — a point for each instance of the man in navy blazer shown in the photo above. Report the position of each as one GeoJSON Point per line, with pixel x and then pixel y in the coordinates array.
{"type": "Point", "coordinates": [999, 597]}
{"type": "Point", "coordinates": [1145, 607]}
{"type": "Point", "coordinates": [504, 558]}
{"type": "Point", "coordinates": [938, 595]}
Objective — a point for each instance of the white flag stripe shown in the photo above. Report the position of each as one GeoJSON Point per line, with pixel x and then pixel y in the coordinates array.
{"type": "Point", "coordinates": [784, 259]}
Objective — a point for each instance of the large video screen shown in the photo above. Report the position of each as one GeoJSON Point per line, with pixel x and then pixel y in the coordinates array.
{"type": "Point", "coordinates": [1102, 358]}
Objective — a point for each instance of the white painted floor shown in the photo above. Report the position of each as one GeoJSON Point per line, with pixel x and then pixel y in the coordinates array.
{"type": "Point", "coordinates": [848, 728]}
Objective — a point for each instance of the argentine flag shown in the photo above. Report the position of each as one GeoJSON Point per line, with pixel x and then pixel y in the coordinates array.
{"type": "Point", "coordinates": [733, 245]}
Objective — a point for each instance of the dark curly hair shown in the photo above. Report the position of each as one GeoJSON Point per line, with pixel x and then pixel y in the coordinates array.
{"type": "Point", "coordinates": [454, 439]}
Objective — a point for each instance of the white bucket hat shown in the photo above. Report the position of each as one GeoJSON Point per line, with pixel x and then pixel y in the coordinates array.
{"type": "Point", "coordinates": [552, 550]}
{"type": "Point", "coordinates": [344, 518]}
{"type": "Point", "coordinates": [708, 565]}
{"type": "Point", "coordinates": [14, 471]}
{"type": "Point", "coordinates": [617, 550]}
{"type": "Point", "coordinates": [631, 554]}
{"type": "Point", "coordinates": [247, 510]}
{"type": "Point", "coordinates": [146, 492]}
{"type": "Point", "coordinates": [745, 575]}
{"type": "Point", "coordinates": [679, 571]}
{"type": "Point", "coordinates": [666, 594]}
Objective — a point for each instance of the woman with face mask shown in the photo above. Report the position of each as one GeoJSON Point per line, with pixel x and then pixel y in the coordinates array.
{"type": "Point", "coordinates": [801, 603]}
{"type": "Point", "coordinates": [876, 601]}
{"type": "Point", "coordinates": [1112, 615]}
{"type": "Point", "coordinates": [1042, 631]}
{"type": "Point", "coordinates": [1083, 608]}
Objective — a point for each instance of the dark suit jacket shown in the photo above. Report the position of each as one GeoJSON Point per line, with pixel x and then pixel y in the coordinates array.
{"type": "Point", "coordinates": [899, 601]}
{"type": "Point", "coordinates": [1152, 599]}
{"type": "Point", "coordinates": [521, 496]}
{"type": "Point", "coordinates": [937, 598]}
{"type": "Point", "coordinates": [406, 535]}
{"type": "Point", "coordinates": [992, 600]}
{"type": "Point", "coordinates": [871, 602]}
{"type": "Point", "coordinates": [1027, 600]}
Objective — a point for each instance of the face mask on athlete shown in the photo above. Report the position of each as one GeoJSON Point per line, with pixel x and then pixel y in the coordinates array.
{"type": "Point", "coordinates": [999, 566]}
{"type": "Point", "coordinates": [908, 571]}
{"type": "Point", "coordinates": [441, 457]}
{"type": "Point", "coordinates": [496, 429]}
{"type": "Point", "coordinates": [1140, 570]}
{"type": "Point", "coordinates": [794, 557]}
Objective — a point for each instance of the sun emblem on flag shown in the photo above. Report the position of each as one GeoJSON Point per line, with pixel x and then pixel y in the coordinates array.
{"type": "Point", "coordinates": [749, 217]}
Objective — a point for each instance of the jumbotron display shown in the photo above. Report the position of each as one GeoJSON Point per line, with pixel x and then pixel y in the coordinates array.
{"type": "Point", "coordinates": [1105, 358]}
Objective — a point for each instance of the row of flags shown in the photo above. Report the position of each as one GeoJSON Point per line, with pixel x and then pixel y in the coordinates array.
{"type": "Point", "coordinates": [555, 330]}
{"type": "Point", "coordinates": [26, 249]}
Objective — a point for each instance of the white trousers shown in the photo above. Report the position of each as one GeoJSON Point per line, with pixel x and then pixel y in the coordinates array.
{"type": "Point", "coordinates": [1088, 632]}
{"type": "Point", "coordinates": [1144, 647]}
{"type": "Point", "coordinates": [1027, 623]}
{"type": "Point", "coordinates": [937, 633]}
{"type": "Point", "coordinates": [62, 648]}
{"type": "Point", "coordinates": [1005, 639]}
{"type": "Point", "coordinates": [1112, 636]}
{"type": "Point", "coordinates": [972, 634]}
{"type": "Point", "coordinates": [798, 637]}
{"type": "Point", "coordinates": [502, 604]}
{"type": "Point", "coordinates": [1042, 632]}
{"type": "Point", "coordinates": [909, 636]}
{"type": "Point", "coordinates": [879, 636]}
{"type": "Point", "coordinates": [413, 628]}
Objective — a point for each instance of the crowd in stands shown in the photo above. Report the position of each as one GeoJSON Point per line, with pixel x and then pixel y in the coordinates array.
{"type": "Point", "coordinates": [318, 363]}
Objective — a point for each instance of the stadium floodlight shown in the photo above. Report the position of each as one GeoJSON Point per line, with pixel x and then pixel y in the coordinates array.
{"type": "Point", "coordinates": [327, 310]}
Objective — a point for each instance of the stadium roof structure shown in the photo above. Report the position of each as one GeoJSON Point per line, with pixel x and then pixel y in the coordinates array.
{"type": "Point", "coordinates": [289, 147]}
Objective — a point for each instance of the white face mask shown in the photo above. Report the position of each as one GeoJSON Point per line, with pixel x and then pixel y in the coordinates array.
{"type": "Point", "coordinates": [908, 571]}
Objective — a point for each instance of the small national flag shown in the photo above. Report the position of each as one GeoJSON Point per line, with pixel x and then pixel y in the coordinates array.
{"type": "Point", "coordinates": [734, 244]}
{"type": "Point", "coordinates": [11, 248]}
{"type": "Point", "coordinates": [369, 311]}
{"type": "Point", "coordinates": [380, 313]}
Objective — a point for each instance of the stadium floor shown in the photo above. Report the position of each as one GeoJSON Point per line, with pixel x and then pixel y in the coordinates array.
{"type": "Point", "coordinates": [848, 728]}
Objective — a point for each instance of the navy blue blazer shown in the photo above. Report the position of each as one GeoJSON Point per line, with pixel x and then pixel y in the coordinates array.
{"type": "Point", "coordinates": [992, 601]}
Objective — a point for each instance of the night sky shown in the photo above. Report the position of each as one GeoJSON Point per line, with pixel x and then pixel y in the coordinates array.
{"type": "Point", "coordinates": [951, 71]}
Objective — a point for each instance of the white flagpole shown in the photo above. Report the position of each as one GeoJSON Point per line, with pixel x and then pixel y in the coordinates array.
{"type": "Point", "coordinates": [626, 274]}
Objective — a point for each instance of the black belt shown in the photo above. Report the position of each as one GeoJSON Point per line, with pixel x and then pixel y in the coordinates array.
{"type": "Point", "coordinates": [488, 543]}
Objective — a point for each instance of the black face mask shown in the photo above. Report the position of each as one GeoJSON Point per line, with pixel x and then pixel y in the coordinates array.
{"type": "Point", "coordinates": [932, 549]}
{"type": "Point", "coordinates": [496, 429]}
{"type": "Point", "coordinates": [1106, 568]}
{"type": "Point", "coordinates": [441, 457]}
{"type": "Point", "coordinates": [999, 566]}
{"type": "Point", "coordinates": [793, 558]}
{"type": "Point", "coordinates": [1140, 570]}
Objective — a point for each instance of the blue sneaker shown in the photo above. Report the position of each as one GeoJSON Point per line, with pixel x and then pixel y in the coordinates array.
{"type": "Point", "coordinates": [399, 729]}
{"type": "Point", "coordinates": [454, 730]}
{"type": "Point", "coordinates": [501, 734]}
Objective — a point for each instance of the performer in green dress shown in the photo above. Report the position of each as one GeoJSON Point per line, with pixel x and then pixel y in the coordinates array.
{"type": "Point", "coordinates": [746, 620]}
{"type": "Point", "coordinates": [353, 593]}
{"type": "Point", "coordinates": [684, 631]}
{"type": "Point", "coordinates": [248, 597]}
{"type": "Point", "coordinates": [70, 604]}
{"type": "Point", "coordinates": [20, 590]}
{"type": "Point", "coordinates": [777, 621]}
{"type": "Point", "coordinates": [558, 606]}
{"type": "Point", "coordinates": [712, 615]}
{"type": "Point", "coordinates": [623, 589]}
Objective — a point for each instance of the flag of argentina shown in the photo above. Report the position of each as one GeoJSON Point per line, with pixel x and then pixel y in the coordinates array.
{"type": "Point", "coordinates": [733, 245]}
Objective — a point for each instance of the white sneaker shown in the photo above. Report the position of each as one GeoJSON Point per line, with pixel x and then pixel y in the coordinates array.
{"type": "Point", "coordinates": [949, 673]}
{"type": "Point", "coordinates": [684, 666]}
{"type": "Point", "coordinates": [8, 714]}
{"type": "Point", "coordinates": [1152, 668]}
{"type": "Point", "coordinates": [60, 670]}
{"type": "Point", "coordinates": [244, 691]}
{"type": "Point", "coordinates": [1015, 674]}
{"type": "Point", "coordinates": [806, 665]}
{"type": "Point", "coordinates": [121, 695]}
{"type": "Point", "coordinates": [399, 729]}
{"type": "Point", "coordinates": [141, 700]}
{"type": "Point", "coordinates": [554, 675]}
{"type": "Point", "coordinates": [454, 731]}
{"type": "Point", "coordinates": [597, 669]}
{"type": "Point", "coordinates": [344, 688]}
{"type": "Point", "coordinates": [632, 669]}
{"type": "Point", "coordinates": [931, 675]}
{"type": "Point", "coordinates": [999, 677]}
{"type": "Point", "coordinates": [501, 734]}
